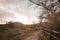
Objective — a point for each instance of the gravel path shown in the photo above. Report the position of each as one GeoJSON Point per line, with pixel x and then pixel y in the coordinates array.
{"type": "Point", "coordinates": [32, 36]}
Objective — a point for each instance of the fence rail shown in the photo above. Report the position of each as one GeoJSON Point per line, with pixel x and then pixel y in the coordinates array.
{"type": "Point", "coordinates": [51, 33]}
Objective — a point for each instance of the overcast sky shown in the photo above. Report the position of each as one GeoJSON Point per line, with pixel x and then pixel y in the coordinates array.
{"type": "Point", "coordinates": [19, 11]}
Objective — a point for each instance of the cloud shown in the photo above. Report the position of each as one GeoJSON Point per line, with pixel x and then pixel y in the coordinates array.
{"type": "Point", "coordinates": [19, 10]}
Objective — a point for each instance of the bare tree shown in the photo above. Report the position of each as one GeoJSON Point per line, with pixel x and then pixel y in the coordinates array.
{"type": "Point", "coordinates": [51, 8]}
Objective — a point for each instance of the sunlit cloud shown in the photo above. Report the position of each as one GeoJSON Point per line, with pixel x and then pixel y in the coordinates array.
{"type": "Point", "coordinates": [21, 11]}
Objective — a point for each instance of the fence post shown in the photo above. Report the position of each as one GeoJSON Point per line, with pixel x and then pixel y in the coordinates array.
{"type": "Point", "coordinates": [50, 34]}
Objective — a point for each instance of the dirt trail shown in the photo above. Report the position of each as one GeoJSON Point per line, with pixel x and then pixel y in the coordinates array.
{"type": "Point", "coordinates": [32, 36]}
